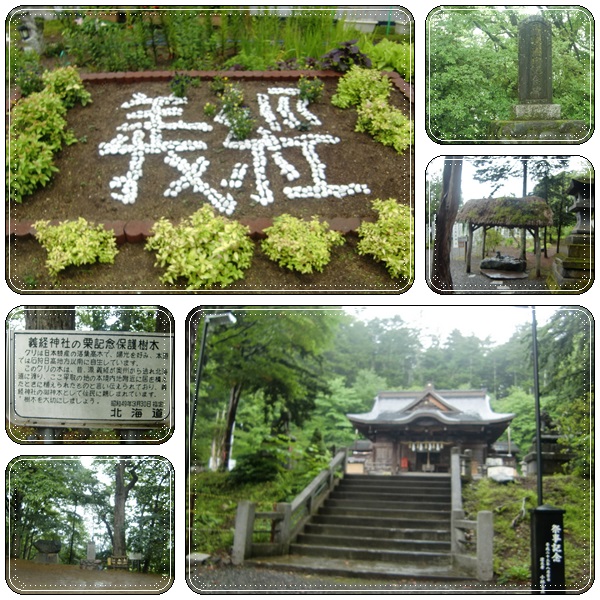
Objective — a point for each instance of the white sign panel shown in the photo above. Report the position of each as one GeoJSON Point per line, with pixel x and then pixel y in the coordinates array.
{"type": "Point", "coordinates": [90, 379]}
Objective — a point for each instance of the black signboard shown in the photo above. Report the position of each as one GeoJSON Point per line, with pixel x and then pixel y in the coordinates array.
{"type": "Point", "coordinates": [547, 550]}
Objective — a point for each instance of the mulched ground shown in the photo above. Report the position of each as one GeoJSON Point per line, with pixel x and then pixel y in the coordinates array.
{"type": "Point", "coordinates": [81, 188]}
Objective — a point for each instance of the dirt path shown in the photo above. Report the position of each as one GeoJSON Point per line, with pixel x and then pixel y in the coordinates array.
{"type": "Point", "coordinates": [27, 577]}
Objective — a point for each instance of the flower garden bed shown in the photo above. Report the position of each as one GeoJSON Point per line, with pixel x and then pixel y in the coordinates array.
{"type": "Point", "coordinates": [350, 170]}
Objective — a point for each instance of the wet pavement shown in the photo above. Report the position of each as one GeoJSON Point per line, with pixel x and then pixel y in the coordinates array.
{"type": "Point", "coordinates": [28, 577]}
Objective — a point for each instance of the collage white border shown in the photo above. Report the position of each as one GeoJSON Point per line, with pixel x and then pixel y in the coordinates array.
{"type": "Point", "coordinates": [181, 305]}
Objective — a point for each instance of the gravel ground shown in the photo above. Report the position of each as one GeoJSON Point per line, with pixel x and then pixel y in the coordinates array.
{"type": "Point", "coordinates": [248, 580]}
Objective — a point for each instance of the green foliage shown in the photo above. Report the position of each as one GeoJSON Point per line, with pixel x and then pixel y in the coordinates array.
{"type": "Point", "coordinates": [512, 540]}
{"type": "Point", "coordinates": [391, 238]}
{"type": "Point", "coordinates": [385, 124]}
{"type": "Point", "coordinates": [210, 109]}
{"type": "Point", "coordinates": [359, 85]}
{"type": "Point", "coordinates": [25, 71]}
{"type": "Point", "coordinates": [75, 243]}
{"type": "Point", "coordinates": [107, 46]}
{"type": "Point", "coordinates": [42, 115]}
{"type": "Point", "coordinates": [268, 462]}
{"type": "Point", "coordinates": [66, 83]}
{"type": "Point", "coordinates": [205, 249]}
{"type": "Point", "coordinates": [180, 84]}
{"type": "Point", "coordinates": [311, 89]}
{"type": "Point", "coordinates": [387, 55]}
{"type": "Point", "coordinates": [217, 85]}
{"type": "Point", "coordinates": [239, 118]}
{"type": "Point", "coordinates": [31, 165]}
{"type": "Point", "coordinates": [189, 37]}
{"type": "Point", "coordinates": [37, 131]}
{"type": "Point", "coordinates": [299, 245]}
{"type": "Point", "coordinates": [472, 57]}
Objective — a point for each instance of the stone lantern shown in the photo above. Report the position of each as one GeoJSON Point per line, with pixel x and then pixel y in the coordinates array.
{"type": "Point", "coordinates": [573, 269]}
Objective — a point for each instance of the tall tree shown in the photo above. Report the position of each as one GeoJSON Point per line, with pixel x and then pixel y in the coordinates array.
{"type": "Point", "coordinates": [441, 276]}
{"type": "Point", "coordinates": [125, 479]}
{"type": "Point", "coordinates": [277, 352]}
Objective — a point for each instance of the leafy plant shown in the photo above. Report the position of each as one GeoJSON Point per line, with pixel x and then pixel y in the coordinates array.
{"type": "Point", "coordinates": [387, 124]}
{"type": "Point", "coordinates": [26, 71]}
{"type": "Point", "coordinates": [42, 115]}
{"type": "Point", "coordinates": [66, 83]}
{"type": "Point", "coordinates": [241, 122]}
{"type": "Point", "coordinates": [75, 243]}
{"type": "Point", "coordinates": [359, 85]}
{"type": "Point", "coordinates": [391, 238]}
{"type": "Point", "coordinates": [30, 165]}
{"type": "Point", "coordinates": [311, 88]}
{"type": "Point", "coordinates": [299, 245]}
{"type": "Point", "coordinates": [210, 109]}
{"type": "Point", "coordinates": [218, 83]}
{"type": "Point", "coordinates": [387, 55]}
{"type": "Point", "coordinates": [106, 46]}
{"type": "Point", "coordinates": [204, 249]}
{"type": "Point", "coordinates": [344, 57]}
{"type": "Point", "coordinates": [181, 82]}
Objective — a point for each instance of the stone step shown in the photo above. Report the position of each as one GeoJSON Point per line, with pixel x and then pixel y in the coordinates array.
{"type": "Point", "coordinates": [379, 522]}
{"type": "Point", "coordinates": [387, 496]}
{"type": "Point", "coordinates": [373, 543]}
{"type": "Point", "coordinates": [366, 554]}
{"type": "Point", "coordinates": [403, 484]}
{"type": "Point", "coordinates": [370, 570]}
{"type": "Point", "coordinates": [381, 533]}
{"type": "Point", "coordinates": [387, 513]}
{"type": "Point", "coordinates": [375, 504]}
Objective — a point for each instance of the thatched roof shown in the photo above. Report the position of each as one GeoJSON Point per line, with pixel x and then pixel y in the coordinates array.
{"type": "Point", "coordinates": [531, 211]}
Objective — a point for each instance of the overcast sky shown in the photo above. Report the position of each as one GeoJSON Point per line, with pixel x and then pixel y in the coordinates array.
{"type": "Point", "coordinates": [472, 189]}
{"type": "Point", "coordinates": [496, 322]}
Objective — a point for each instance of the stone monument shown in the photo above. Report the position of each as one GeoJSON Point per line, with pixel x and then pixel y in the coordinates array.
{"type": "Point", "coordinates": [47, 551]}
{"type": "Point", "coordinates": [573, 269]}
{"type": "Point", "coordinates": [536, 117]}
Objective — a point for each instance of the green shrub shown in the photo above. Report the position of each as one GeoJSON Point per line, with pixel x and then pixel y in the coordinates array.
{"type": "Point", "coordinates": [359, 85]}
{"type": "Point", "coordinates": [180, 84]}
{"type": "Point", "coordinates": [204, 249]}
{"type": "Point", "coordinates": [30, 165]}
{"type": "Point", "coordinates": [75, 243]}
{"type": "Point", "coordinates": [25, 71]}
{"type": "Point", "coordinates": [391, 238]}
{"type": "Point", "coordinates": [42, 115]}
{"type": "Point", "coordinates": [385, 123]}
{"type": "Point", "coordinates": [311, 89]}
{"type": "Point", "coordinates": [66, 83]}
{"type": "Point", "coordinates": [299, 245]}
{"type": "Point", "coordinates": [387, 55]}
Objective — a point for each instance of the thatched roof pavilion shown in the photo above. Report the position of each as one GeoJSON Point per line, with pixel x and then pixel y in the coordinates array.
{"type": "Point", "coordinates": [529, 213]}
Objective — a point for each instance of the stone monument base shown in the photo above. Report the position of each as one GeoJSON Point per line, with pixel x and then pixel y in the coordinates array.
{"type": "Point", "coordinates": [573, 269]}
{"type": "Point", "coordinates": [540, 131]}
{"type": "Point", "coordinates": [46, 559]}
{"type": "Point", "coordinates": [537, 112]}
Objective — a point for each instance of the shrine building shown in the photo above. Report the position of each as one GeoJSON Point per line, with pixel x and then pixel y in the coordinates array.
{"type": "Point", "coordinates": [414, 431]}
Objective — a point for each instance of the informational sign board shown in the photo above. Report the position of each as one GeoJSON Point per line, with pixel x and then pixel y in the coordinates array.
{"type": "Point", "coordinates": [90, 379]}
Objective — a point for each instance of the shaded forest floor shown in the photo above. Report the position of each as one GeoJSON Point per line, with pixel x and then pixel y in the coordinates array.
{"type": "Point", "coordinates": [28, 577]}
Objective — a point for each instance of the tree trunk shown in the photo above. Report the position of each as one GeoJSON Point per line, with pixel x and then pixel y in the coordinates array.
{"type": "Point", "coordinates": [50, 317]}
{"type": "Point", "coordinates": [234, 400]}
{"type": "Point", "coordinates": [121, 492]}
{"type": "Point", "coordinates": [441, 277]}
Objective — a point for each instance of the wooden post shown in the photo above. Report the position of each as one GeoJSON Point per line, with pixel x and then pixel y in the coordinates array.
{"type": "Point", "coordinates": [469, 246]}
{"type": "Point", "coordinates": [538, 251]}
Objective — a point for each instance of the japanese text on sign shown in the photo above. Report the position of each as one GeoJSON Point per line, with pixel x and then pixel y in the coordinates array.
{"type": "Point", "coordinates": [87, 378]}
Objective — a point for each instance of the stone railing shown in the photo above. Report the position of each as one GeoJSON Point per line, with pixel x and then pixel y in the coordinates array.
{"type": "Point", "coordinates": [472, 542]}
{"type": "Point", "coordinates": [282, 524]}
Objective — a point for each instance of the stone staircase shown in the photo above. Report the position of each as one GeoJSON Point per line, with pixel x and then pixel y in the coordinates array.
{"type": "Point", "coordinates": [378, 525]}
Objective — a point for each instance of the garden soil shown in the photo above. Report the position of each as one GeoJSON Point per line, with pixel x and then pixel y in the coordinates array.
{"type": "Point", "coordinates": [28, 577]}
{"type": "Point", "coordinates": [81, 189]}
